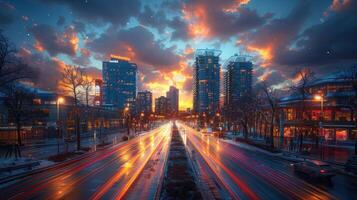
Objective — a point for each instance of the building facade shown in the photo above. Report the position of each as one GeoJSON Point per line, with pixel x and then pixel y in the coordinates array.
{"type": "Point", "coordinates": [333, 118]}
{"type": "Point", "coordinates": [119, 82]}
{"type": "Point", "coordinates": [45, 113]}
{"type": "Point", "coordinates": [206, 82]}
{"type": "Point", "coordinates": [329, 118]}
{"type": "Point", "coordinates": [162, 106]}
{"type": "Point", "coordinates": [173, 96]}
{"type": "Point", "coordinates": [237, 80]}
{"type": "Point", "coordinates": [144, 102]}
{"type": "Point", "coordinates": [98, 92]}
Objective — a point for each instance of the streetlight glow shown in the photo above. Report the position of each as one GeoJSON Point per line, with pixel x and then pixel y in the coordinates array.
{"type": "Point", "coordinates": [60, 100]}
{"type": "Point", "coordinates": [318, 97]}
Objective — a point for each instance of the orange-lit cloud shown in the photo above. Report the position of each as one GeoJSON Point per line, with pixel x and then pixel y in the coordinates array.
{"type": "Point", "coordinates": [188, 50]}
{"type": "Point", "coordinates": [339, 4]}
{"type": "Point", "coordinates": [235, 6]}
{"type": "Point", "coordinates": [38, 46]}
{"type": "Point", "coordinates": [265, 75]}
{"type": "Point", "coordinates": [208, 19]}
{"type": "Point", "coordinates": [72, 37]}
{"type": "Point", "coordinates": [85, 52]}
{"type": "Point", "coordinates": [197, 21]}
{"type": "Point", "coordinates": [178, 78]}
{"type": "Point", "coordinates": [47, 38]}
{"type": "Point", "coordinates": [265, 53]}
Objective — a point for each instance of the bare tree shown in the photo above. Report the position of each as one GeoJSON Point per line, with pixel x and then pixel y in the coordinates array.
{"type": "Point", "coordinates": [87, 86]}
{"type": "Point", "coordinates": [245, 116]}
{"type": "Point", "coordinates": [72, 81]}
{"type": "Point", "coordinates": [305, 77]}
{"type": "Point", "coordinates": [19, 102]}
{"type": "Point", "coordinates": [351, 76]}
{"type": "Point", "coordinates": [11, 67]}
{"type": "Point", "coordinates": [272, 101]}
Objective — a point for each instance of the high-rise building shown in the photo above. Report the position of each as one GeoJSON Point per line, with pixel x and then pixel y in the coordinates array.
{"type": "Point", "coordinates": [237, 80]}
{"type": "Point", "coordinates": [144, 102]}
{"type": "Point", "coordinates": [119, 82]}
{"type": "Point", "coordinates": [162, 105]}
{"type": "Point", "coordinates": [173, 96]}
{"type": "Point", "coordinates": [206, 79]}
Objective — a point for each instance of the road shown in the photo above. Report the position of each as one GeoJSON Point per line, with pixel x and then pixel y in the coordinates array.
{"type": "Point", "coordinates": [248, 174]}
{"type": "Point", "coordinates": [148, 184]}
{"type": "Point", "coordinates": [104, 174]}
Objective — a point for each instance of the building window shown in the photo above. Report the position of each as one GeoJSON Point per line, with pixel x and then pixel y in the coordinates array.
{"type": "Point", "coordinates": [343, 116]}
{"type": "Point", "coordinates": [341, 134]}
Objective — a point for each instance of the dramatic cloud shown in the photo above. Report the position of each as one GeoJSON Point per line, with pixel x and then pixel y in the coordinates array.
{"type": "Point", "coordinates": [83, 59]}
{"type": "Point", "coordinates": [49, 69]}
{"type": "Point", "coordinates": [162, 35]}
{"type": "Point", "coordinates": [333, 42]}
{"type": "Point", "coordinates": [203, 18]}
{"type": "Point", "coordinates": [48, 39]}
{"type": "Point", "coordinates": [138, 44]}
{"type": "Point", "coordinates": [6, 13]}
{"type": "Point", "coordinates": [222, 19]}
{"type": "Point", "coordinates": [276, 35]}
{"type": "Point", "coordinates": [180, 29]}
{"type": "Point", "coordinates": [154, 19]}
{"type": "Point", "coordinates": [113, 11]}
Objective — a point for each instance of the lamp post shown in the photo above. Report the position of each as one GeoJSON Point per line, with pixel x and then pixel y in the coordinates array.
{"type": "Point", "coordinates": [218, 120]}
{"type": "Point", "coordinates": [141, 121]}
{"type": "Point", "coordinates": [59, 101]}
{"type": "Point", "coordinates": [321, 99]}
{"type": "Point", "coordinates": [126, 114]}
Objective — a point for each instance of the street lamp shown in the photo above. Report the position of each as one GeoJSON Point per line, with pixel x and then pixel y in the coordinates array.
{"type": "Point", "coordinates": [321, 99]}
{"type": "Point", "coordinates": [59, 101]}
{"type": "Point", "coordinates": [127, 118]}
{"type": "Point", "coordinates": [141, 121]}
{"type": "Point", "coordinates": [218, 119]}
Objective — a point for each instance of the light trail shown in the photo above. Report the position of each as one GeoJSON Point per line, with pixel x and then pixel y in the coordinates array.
{"type": "Point", "coordinates": [212, 152]}
{"type": "Point", "coordinates": [66, 179]}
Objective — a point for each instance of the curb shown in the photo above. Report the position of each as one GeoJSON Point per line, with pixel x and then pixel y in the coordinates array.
{"type": "Point", "coordinates": [41, 169]}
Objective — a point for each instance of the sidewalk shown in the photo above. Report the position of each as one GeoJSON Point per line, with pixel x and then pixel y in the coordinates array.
{"type": "Point", "coordinates": [332, 153]}
{"type": "Point", "coordinates": [54, 141]}
{"type": "Point", "coordinates": [16, 166]}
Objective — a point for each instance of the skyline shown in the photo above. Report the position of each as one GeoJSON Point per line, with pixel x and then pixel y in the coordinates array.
{"type": "Point", "coordinates": [280, 37]}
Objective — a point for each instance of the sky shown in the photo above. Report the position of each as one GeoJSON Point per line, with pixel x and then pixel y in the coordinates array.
{"type": "Point", "coordinates": [161, 36]}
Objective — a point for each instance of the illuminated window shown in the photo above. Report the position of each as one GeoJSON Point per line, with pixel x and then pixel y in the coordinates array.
{"type": "Point", "coordinates": [341, 134]}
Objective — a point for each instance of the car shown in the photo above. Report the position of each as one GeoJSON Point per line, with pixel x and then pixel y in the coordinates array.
{"type": "Point", "coordinates": [206, 131]}
{"type": "Point", "coordinates": [218, 134]}
{"type": "Point", "coordinates": [351, 164]}
{"type": "Point", "coordinates": [315, 169]}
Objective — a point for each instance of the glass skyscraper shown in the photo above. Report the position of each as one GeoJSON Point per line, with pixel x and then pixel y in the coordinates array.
{"type": "Point", "coordinates": [237, 79]}
{"type": "Point", "coordinates": [173, 96]}
{"type": "Point", "coordinates": [206, 79]}
{"type": "Point", "coordinates": [144, 102]}
{"type": "Point", "coordinates": [119, 82]}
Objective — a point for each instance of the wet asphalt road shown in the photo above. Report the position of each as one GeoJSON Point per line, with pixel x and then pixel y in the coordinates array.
{"type": "Point", "coordinates": [250, 174]}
